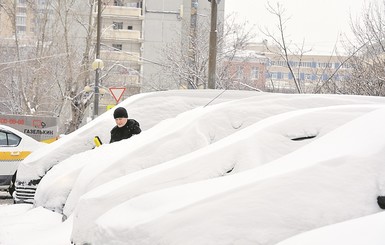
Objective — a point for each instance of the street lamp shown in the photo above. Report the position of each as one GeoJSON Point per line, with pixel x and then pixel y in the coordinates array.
{"type": "Point", "coordinates": [97, 65]}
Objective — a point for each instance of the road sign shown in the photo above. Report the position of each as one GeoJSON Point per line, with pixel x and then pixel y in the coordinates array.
{"type": "Point", "coordinates": [117, 93]}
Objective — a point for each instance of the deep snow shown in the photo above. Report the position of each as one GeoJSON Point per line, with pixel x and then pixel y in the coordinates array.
{"type": "Point", "coordinates": [252, 168]}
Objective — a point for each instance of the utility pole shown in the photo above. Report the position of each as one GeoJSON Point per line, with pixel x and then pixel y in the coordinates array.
{"type": "Point", "coordinates": [97, 69]}
{"type": "Point", "coordinates": [192, 80]}
{"type": "Point", "coordinates": [213, 44]}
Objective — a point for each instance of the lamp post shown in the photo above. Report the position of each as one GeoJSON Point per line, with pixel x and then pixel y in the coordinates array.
{"type": "Point", "coordinates": [97, 65]}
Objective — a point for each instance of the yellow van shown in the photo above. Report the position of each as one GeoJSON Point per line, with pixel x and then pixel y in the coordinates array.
{"type": "Point", "coordinates": [14, 147]}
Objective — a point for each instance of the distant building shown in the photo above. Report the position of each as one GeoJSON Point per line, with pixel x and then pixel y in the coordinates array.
{"type": "Point", "coordinates": [309, 70]}
{"type": "Point", "coordinates": [247, 71]}
{"type": "Point", "coordinates": [25, 24]}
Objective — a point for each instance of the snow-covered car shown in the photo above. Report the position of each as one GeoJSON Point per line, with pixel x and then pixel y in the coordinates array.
{"type": "Point", "coordinates": [14, 147]}
{"type": "Point", "coordinates": [256, 170]}
{"type": "Point", "coordinates": [278, 125]}
{"type": "Point", "coordinates": [148, 109]}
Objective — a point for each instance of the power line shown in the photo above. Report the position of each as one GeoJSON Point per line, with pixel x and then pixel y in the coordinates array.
{"type": "Point", "coordinates": [40, 58]}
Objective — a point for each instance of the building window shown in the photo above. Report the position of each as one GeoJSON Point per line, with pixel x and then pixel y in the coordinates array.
{"type": "Point", "coordinates": [306, 64]}
{"type": "Point", "coordinates": [325, 77]}
{"type": "Point", "coordinates": [129, 27]}
{"type": "Point", "coordinates": [302, 76]}
{"type": "Point", "coordinates": [308, 76]}
{"type": "Point", "coordinates": [20, 20]}
{"type": "Point", "coordinates": [21, 29]}
{"type": "Point", "coordinates": [117, 47]}
{"type": "Point", "coordinates": [324, 65]}
{"type": "Point", "coordinates": [118, 25]}
{"type": "Point", "coordinates": [281, 63]}
{"type": "Point", "coordinates": [240, 72]}
{"type": "Point", "coordinates": [254, 73]}
{"type": "Point", "coordinates": [21, 10]}
{"type": "Point", "coordinates": [118, 3]}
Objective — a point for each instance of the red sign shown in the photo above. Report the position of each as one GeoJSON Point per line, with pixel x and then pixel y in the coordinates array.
{"type": "Point", "coordinates": [11, 121]}
{"type": "Point", "coordinates": [117, 93]}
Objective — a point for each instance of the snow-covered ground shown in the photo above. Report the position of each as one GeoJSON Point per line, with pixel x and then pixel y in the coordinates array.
{"type": "Point", "coordinates": [250, 168]}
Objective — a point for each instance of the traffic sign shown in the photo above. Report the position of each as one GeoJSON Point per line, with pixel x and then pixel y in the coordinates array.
{"type": "Point", "coordinates": [117, 93]}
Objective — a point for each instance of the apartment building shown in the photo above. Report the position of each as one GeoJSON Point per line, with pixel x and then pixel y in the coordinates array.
{"type": "Point", "coordinates": [309, 70]}
{"type": "Point", "coordinates": [24, 21]}
{"type": "Point", "coordinates": [121, 45]}
{"type": "Point", "coordinates": [247, 70]}
{"type": "Point", "coordinates": [134, 32]}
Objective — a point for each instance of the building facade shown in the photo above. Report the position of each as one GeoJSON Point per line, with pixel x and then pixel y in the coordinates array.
{"type": "Point", "coordinates": [134, 33]}
{"type": "Point", "coordinates": [247, 71]}
{"type": "Point", "coordinates": [310, 71]}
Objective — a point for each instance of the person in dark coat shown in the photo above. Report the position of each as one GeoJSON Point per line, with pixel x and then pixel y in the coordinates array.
{"type": "Point", "coordinates": [125, 127]}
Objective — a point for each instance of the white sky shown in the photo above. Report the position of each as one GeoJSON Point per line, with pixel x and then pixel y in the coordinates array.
{"type": "Point", "coordinates": [319, 24]}
{"type": "Point", "coordinates": [169, 185]}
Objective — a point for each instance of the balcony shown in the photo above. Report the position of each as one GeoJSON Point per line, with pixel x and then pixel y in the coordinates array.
{"type": "Point", "coordinates": [122, 12]}
{"type": "Point", "coordinates": [120, 56]}
{"type": "Point", "coordinates": [123, 80]}
{"type": "Point", "coordinates": [122, 35]}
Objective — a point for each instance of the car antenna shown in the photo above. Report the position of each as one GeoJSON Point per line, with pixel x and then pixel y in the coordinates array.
{"type": "Point", "coordinates": [215, 98]}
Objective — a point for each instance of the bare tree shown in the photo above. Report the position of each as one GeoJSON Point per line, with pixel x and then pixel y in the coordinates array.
{"type": "Point", "coordinates": [76, 68]}
{"type": "Point", "coordinates": [192, 72]}
{"type": "Point", "coordinates": [29, 76]}
{"type": "Point", "coordinates": [284, 50]}
{"type": "Point", "coordinates": [236, 35]}
{"type": "Point", "coordinates": [45, 74]}
{"type": "Point", "coordinates": [367, 51]}
{"type": "Point", "coordinates": [186, 58]}
{"type": "Point", "coordinates": [324, 78]}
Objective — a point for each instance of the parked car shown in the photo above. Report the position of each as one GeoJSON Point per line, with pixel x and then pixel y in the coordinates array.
{"type": "Point", "coordinates": [147, 108]}
{"type": "Point", "coordinates": [14, 147]}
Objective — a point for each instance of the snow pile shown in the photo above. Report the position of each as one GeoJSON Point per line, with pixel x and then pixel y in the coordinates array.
{"type": "Point", "coordinates": [148, 108]}
{"type": "Point", "coordinates": [252, 170]}
{"type": "Point", "coordinates": [267, 204]}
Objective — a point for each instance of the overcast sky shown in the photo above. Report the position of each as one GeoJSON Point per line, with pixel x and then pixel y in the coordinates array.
{"type": "Point", "coordinates": [318, 23]}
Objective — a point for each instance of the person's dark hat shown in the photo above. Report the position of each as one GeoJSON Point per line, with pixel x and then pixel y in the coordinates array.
{"type": "Point", "coordinates": [120, 112]}
{"type": "Point", "coordinates": [381, 201]}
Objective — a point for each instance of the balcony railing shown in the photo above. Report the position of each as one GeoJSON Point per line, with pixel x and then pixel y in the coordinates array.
{"type": "Point", "coordinates": [120, 56]}
{"type": "Point", "coordinates": [121, 11]}
{"type": "Point", "coordinates": [122, 35]}
{"type": "Point", "coordinates": [123, 79]}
